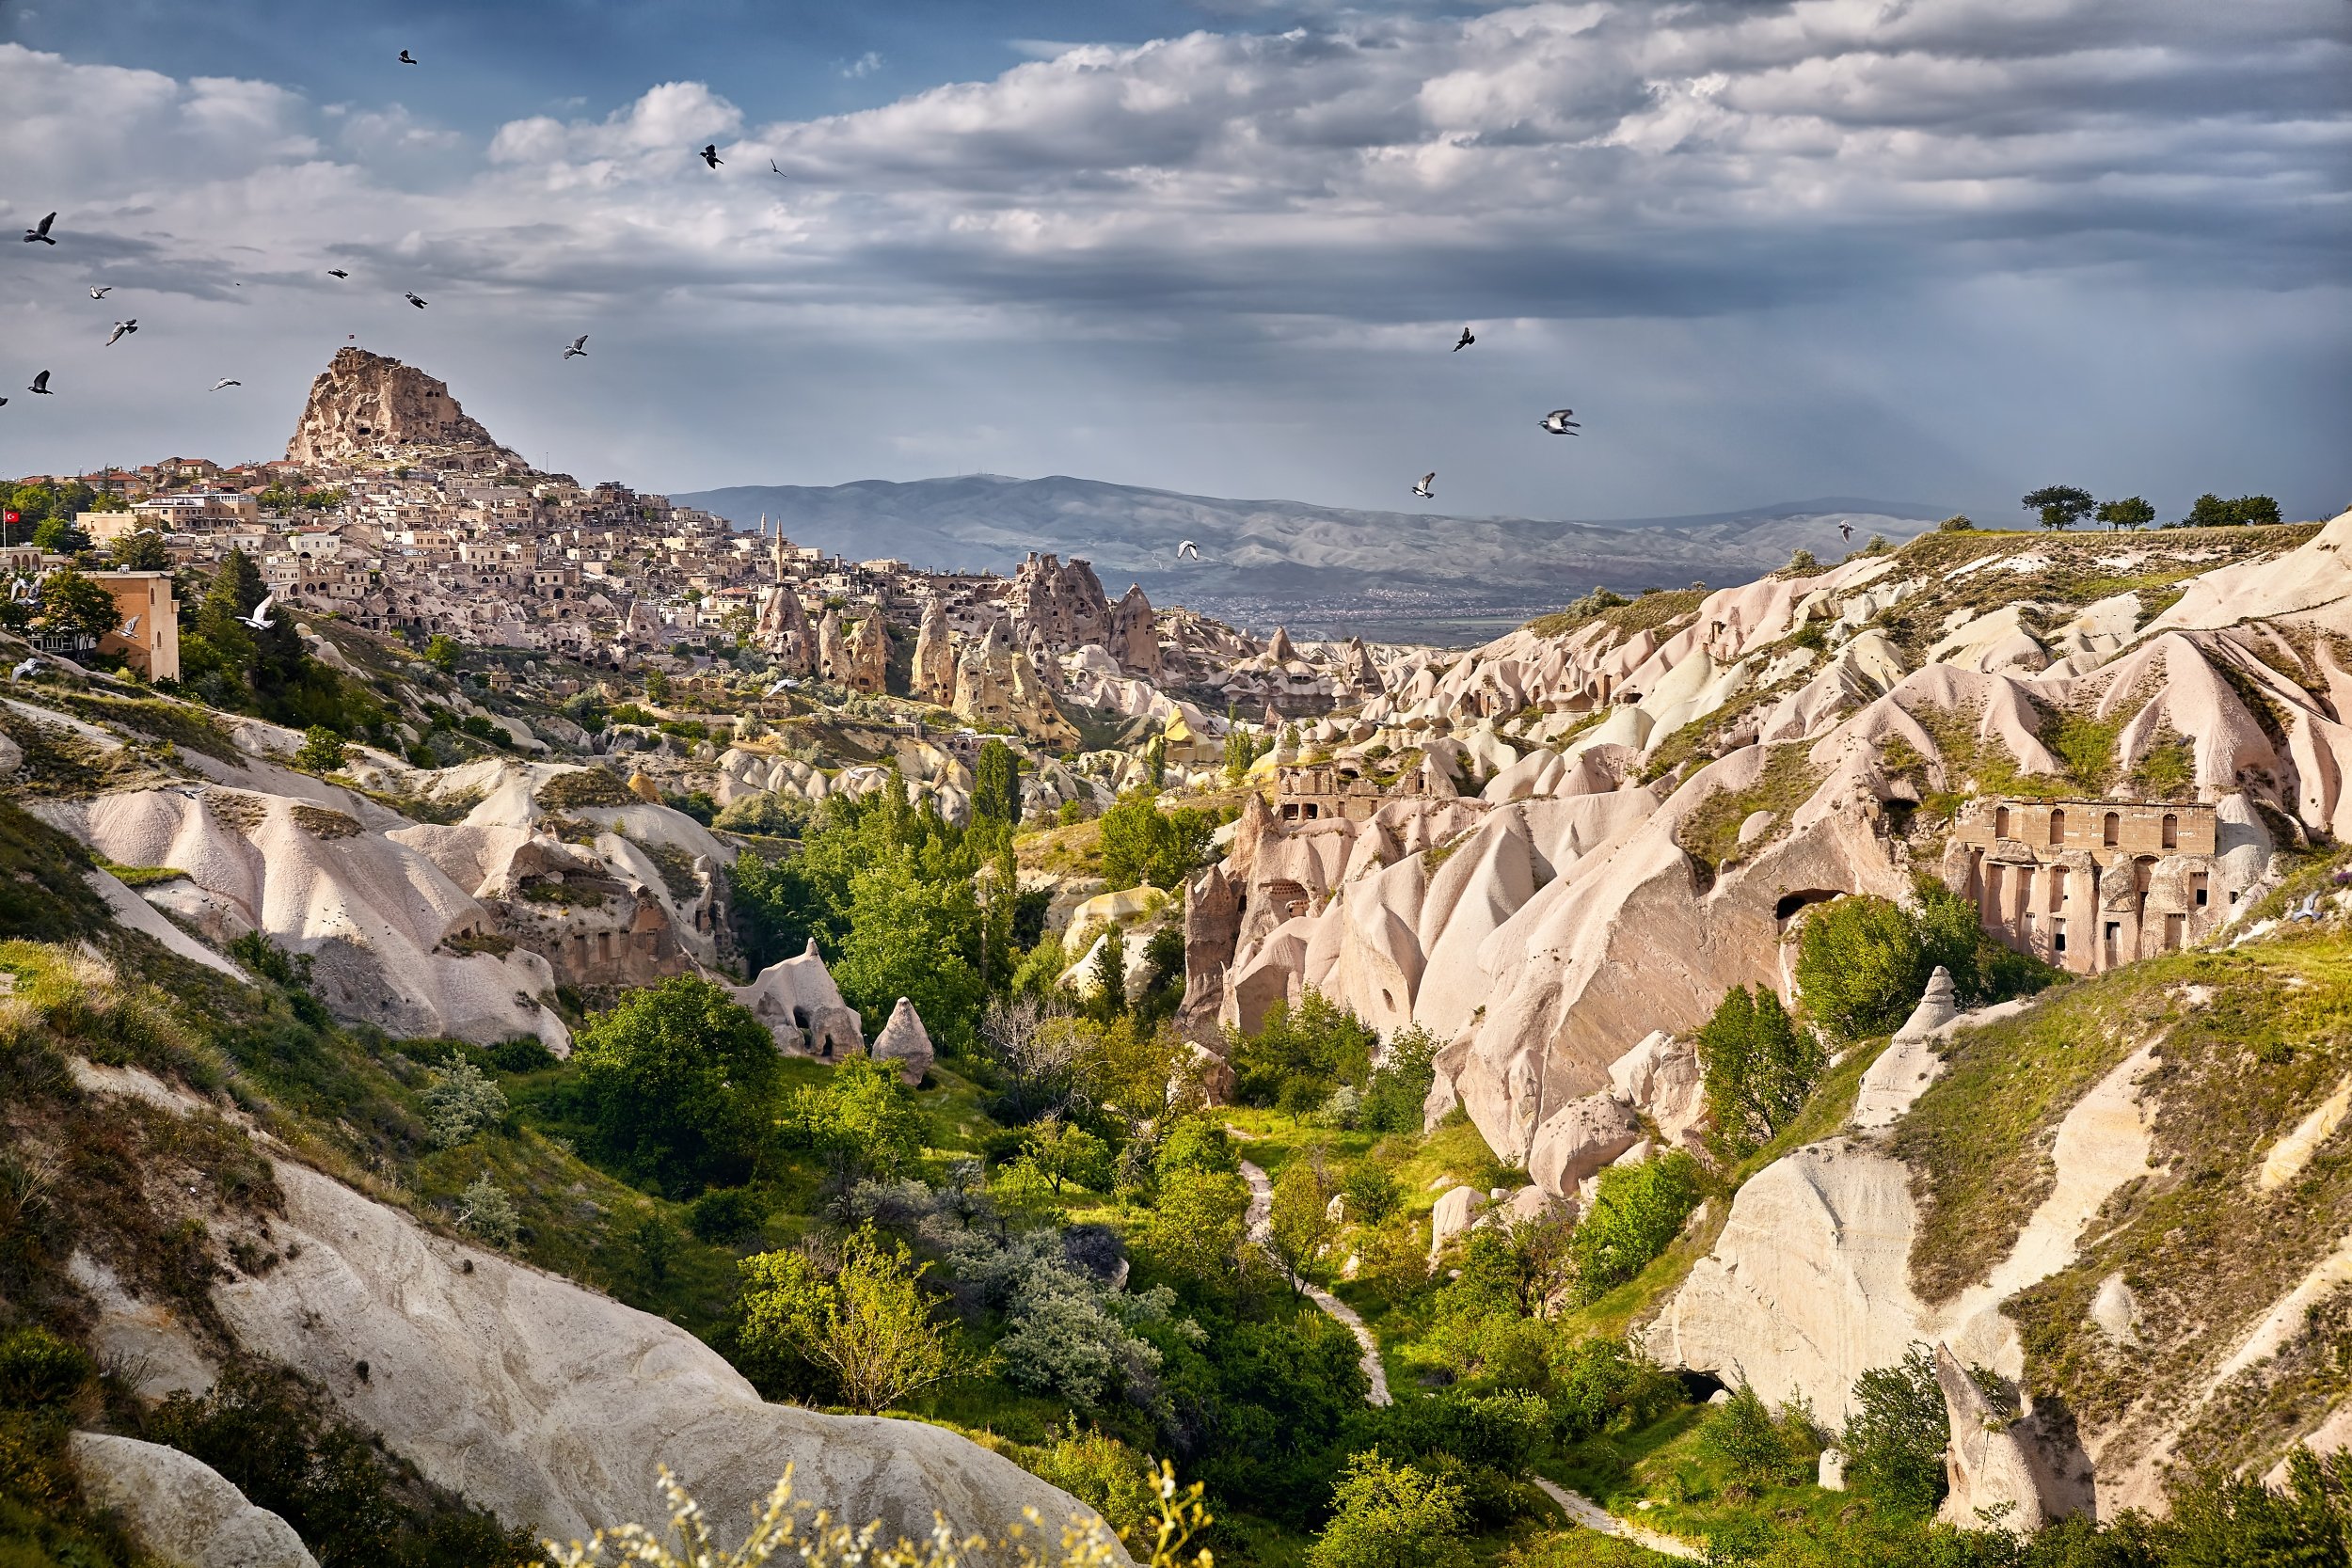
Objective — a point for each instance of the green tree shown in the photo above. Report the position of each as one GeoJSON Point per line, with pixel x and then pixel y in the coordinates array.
{"type": "Point", "coordinates": [1156, 761]}
{"type": "Point", "coordinates": [323, 751]}
{"type": "Point", "coordinates": [74, 605]}
{"type": "Point", "coordinates": [878, 1336]}
{"type": "Point", "coordinates": [917, 936]}
{"type": "Point", "coordinates": [441, 653]}
{"type": "Point", "coordinates": [1637, 1212]}
{"type": "Point", "coordinates": [2059, 506]}
{"type": "Point", "coordinates": [1398, 1089]}
{"type": "Point", "coordinates": [1299, 1220]}
{"type": "Point", "coordinates": [1959, 522]}
{"type": "Point", "coordinates": [2130, 512]}
{"type": "Point", "coordinates": [1373, 1194]}
{"type": "Point", "coordinates": [657, 685]}
{"type": "Point", "coordinates": [59, 536]}
{"type": "Point", "coordinates": [141, 550]}
{"type": "Point", "coordinates": [1064, 1151]}
{"type": "Point", "coordinates": [1195, 1231]}
{"type": "Point", "coordinates": [1141, 842]}
{"type": "Point", "coordinates": [781, 1305]}
{"type": "Point", "coordinates": [1300, 1054]}
{"type": "Point", "coordinates": [1894, 1437]}
{"type": "Point", "coordinates": [1861, 966]}
{"type": "Point", "coordinates": [1758, 1448]}
{"type": "Point", "coordinates": [679, 1081]}
{"type": "Point", "coordinates": [1759, 1067]}
{"type": "Point", "coordinates": [863, 1119]}
{"type": "Point", "coordinates": [1109, 974]}
{"type": "Point", "coordinates": [461, 1102]}
{"type": "Point", "coordinates": [997, 785]}
{"type": "Point", "coordinates": [1385, 1515]}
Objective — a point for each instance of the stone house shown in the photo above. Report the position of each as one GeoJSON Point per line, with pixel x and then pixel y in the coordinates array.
{"type": "Point", "coordinates": [1322, 792]}
{"type": "Point", "coordinates": [2087, 885]}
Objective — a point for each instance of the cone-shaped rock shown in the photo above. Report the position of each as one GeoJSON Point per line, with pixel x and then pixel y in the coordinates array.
{"type": "Point", "coordinates": [905, 1041]}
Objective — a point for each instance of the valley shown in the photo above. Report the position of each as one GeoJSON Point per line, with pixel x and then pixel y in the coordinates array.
{"type": "Point", "coordinates": [1846, 1065]}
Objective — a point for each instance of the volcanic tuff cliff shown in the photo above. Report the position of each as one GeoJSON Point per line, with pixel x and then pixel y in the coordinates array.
{"type": "Point", "coordinates": [365, 406]}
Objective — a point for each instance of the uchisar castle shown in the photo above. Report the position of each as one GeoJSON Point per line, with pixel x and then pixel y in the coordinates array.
{"type": "Point", "coordinates": [501, 976]}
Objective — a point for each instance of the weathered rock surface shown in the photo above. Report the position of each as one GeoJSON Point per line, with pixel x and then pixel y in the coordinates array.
{"type": "Point", "coordinates": [1990, 1476]}
{"type": "Point", "coordinates": [551, 1406]}
{"type": "Point", "coordinates": [905, 1041]}
{"type": "Point", "coordinates": [1660, 1078]}
{"type": "Point", "coordinates": [934, 675]}
{"type": "Point", "coordinates": [180, 1511]}
{"type": "Point", "coordinates": [367, 405]}
{"type": "Point", "coordinates": [1583, 1136]}
{"type": "Point", "coordinates": [801, 1006]}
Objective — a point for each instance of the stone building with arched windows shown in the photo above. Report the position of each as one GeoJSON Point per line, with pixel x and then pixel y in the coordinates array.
{"type": "Point", "coordinates": [2087, 885]}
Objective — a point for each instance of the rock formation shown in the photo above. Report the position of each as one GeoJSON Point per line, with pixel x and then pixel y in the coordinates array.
{"type": "Point", "coordinates": [179, 1510]}
{"type": "Point", "coordinates": [998, 684]}
{"type": "Point", "coordinates": [783, 632]}
{"type": "Point", "coordinates": [1990, 1475]}
{"type": "Point", "coordinates": [832, 649]}
{"type": "Point", "coordinates": [551, 1406]}
{"type": "Point", "coordinates": [1064, 607]}
{"type": "Point", "coordinates": [905, 1041]}
{"type": "Point", "coordinates": [365, 406]}
{"type": "Point", "coordinates": [801, 1006]}
{"type": "Point", "coordinates": [1134, 638]}
{"type": "Point", "coordinates": [934, 676]}
{"type": "Point", "coordinates": [866, 663]}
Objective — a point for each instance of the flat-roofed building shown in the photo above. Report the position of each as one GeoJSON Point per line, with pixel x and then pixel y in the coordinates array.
{"type": "Point", "coordinates": [147, 625]}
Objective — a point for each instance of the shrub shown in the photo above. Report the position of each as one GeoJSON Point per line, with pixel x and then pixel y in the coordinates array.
{"type": "Point", "coordinates": [485, 1211]}
{"type": "Point", "coordinates": [1895, 1438]}
{"type": "Point", "coordinates": [1300, 1054]}
{"type": "Point", "coordinates": [678, 1080]}
{"type": "Point", "coordinates": [723, 1213]}
{"type": "Point", "coordinates": [1637, 1212]}
{"type": "Point", "coordinates": [1399, 1086]}
{"type": "Point", "coordinates": [1373, 1194]}
{"type": "Point", "coordinates": [1756, 1447]}
{"type": "Point", "coordinates": [1141, 842]}
{"type": "Point", "coordinates": [1861, 966]}
{"type": "Point", "coordinates": [863, 1120]}
{"type": "Point", "coordinates": [462, 1104]}
{"type": "Point", "coordinates": [1599, 1386]}
{"type": "Point", "coordinates": [870, 1328]}
{"type": "Point", "coordinates": [1390, 1515]}
{"type": "Point", "coordinates": [323, 751]}
{"type": "Point", "coordinates": [38, 1371]}
{"type": "Point", "coordinates": [1109, 1478]}
{"type": "Point", "coordinates": [1759, 1067]}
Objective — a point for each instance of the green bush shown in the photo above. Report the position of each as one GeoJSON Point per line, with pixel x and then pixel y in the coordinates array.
{"type": "Point", "coordinates": [679, 1081]}
{"type": "Point", "coordinates": [1756, 1447]}
{"type": "Point", "coordinates": [1391, 1515]}
{"type": "Point", "coordinates": [1300, 1054]}
{"type": "Point", "coordinates": [723, 1213]}
{"type": "Point", "coordinates": [1399, 1086]}
{"type": "Point", "coordinates": [1141, 842]}
{"type": "Point", "coordinates": [1638, 1210]}
{"type": "Point", "coordinates": [863, 1120]}
{"type": "Point", "coordinates": [463, 1102]}
{"type": "Point", "coordinates": [1598, 1385]}
{"type": "Point", "coordinates": [1895, 1438]}
{"type": "Point", "coordinates": [1759, 1067]}
{"type": "Point", "coordinates": [1862, 961]}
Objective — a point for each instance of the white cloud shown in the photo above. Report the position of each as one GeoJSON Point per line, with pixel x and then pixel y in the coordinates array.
{"type": "Point", "coordinates": [861, 68]}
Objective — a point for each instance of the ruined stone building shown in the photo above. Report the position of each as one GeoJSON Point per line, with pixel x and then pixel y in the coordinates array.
{"type": "Point", "coordinates": [1322, 792]}
{"type": "Point", "coordinates": [2087, 885]}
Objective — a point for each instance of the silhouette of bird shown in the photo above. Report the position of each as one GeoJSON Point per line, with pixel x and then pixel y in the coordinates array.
{"type": "Point", "coordinates": [101, 293]}
{"type": "Point", "coordinates": [3, 402]}
{"type": "Point", "coordinates": [122, 329]}
{"type": "Point", "coordinates": [1844, 532]}
{"type": "Point", "coordinates": [406, 58]}
{"type": "Point", "coordinates": [579, 349]}
{"type": "Point", "coordinates": [259, 619]}
{"type": "Point", "coordinates": [226, 381]}
{"type": "Point", "coordinates": [788, 683]}
{"type": "Point", "coordinates": [1187, 548]}
{"type": "Point", "coordinates": [29, 667]}
{"type": "Point", "coordinates": [1468, 338]}
{"type": "Point", "coordinates": [40, 385]}
{"type": "Point", "coordinates": [336, 271]}
{"type": "Point", "coordinates": [414, 300]}
{"type": "Point", "coordinates": [130, 628]}
{"type": "Point", "coordinates": [41, 230]}
{"type": "Point", "coordinates": [1420, 487]}
{"type": "Point", "coordinates": [1559, 423]}
{"type": "Point", "coordinates": [771, 164]}
{"type": "Point", "coordinates": [710, 155]}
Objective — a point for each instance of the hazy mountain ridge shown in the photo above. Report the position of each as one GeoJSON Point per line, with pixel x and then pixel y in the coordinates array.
{"type": "Point", "coordinates": [1263, 560]}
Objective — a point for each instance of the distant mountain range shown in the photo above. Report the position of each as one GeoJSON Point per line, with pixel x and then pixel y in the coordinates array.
{"type": "Point", "coordinates": [1319, 569]}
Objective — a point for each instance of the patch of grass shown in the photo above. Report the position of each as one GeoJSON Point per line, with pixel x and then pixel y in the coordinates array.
{"type": "Point", "coordinates": [177, 722]}
{"type": "Point", "coordinates": [42, 896]}
{"type": "Point", "coordinates": [2203, 1248]}
{"type": "Point", "coordinates": [2167, 770]}
{"type": "Point", "coordinates": [2086, 745]}
{"type": "Point", "coordinates": [1710, 835]}
{"type": "Point", "coordinates": [141, 876]}
{"type": "Point", "coordinates": [586, 787]}
{"type": "Point", "coordinates": [677, 871]}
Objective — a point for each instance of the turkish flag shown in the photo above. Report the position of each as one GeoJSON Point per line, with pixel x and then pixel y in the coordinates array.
{"type": "Point", "coordinates": [9, 518]}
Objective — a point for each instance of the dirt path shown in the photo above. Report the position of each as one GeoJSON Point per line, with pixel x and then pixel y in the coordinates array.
{"type": "Point", "coordinates": [1260, 1227]}
{"type": "Point", "coordinates": [1583, 1510]}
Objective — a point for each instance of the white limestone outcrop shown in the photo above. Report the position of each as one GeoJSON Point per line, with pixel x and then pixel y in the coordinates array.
{"type": "Point", "coordinates": [180, 1511]}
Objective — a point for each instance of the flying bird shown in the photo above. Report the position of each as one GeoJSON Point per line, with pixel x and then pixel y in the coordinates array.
{"type": "Point", "coordinates": [336, 271]}
{"type": "Point", "coordinates": [41, 230]}
{"type": "Point", "coordinates": [710, 155]}
{"type": "Point", "coordinates": [1559, 422]}
{"type": "Point", "coordinates": [122, 330]}
{"type": "Point", "coordinates": [40, 385]}
{"type": "Point", "coordinates": [130, 628]}
{"type": "Point", "coordinates": [101, 293]}
{"type": "Point", "coordinates": [579, 349]}
{"type": "Point", "coordinates": [226, 381]}
{"type": "Point", "coordinates": [1420, 487]}
{"type": "Point", "coordinates": [414, 300]}
{"type": "Point", "coordinates": [1844, 532]}
{"type": "Point", "coordinates": [259, 619]}
{"type": "Point", "coordinates": [788, 683]}
{"type": "Point", "coordinates": [29, 667]}
{"type": "Point", "coordinates": [771, 164]}
{"type": "Point", "coordinates": [1187, 548]}
{"type": "Point", "coordinates": [1466, 338]}
{"type": "Point", "coordinates": [406, 58]}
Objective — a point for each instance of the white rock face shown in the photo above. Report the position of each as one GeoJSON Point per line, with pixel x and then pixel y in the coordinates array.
{"type": "Point", "coordinates": [1584, 1136]}
{"type": "Point", "coordinates": [1987, 1466]}
{"type": "Point", "coordinates": [801, 1006]}
{"type": "Point", "coordinates": [1452, 1215]}
{"type": "Point", "coordinates": [551, 1406]}
{"type": "Point", "coordinates": [1660, 1078]}
{"type": "Point", "coordinates": [179, 1510]}
{"type": "Point", "coordinates": [905, 1041]}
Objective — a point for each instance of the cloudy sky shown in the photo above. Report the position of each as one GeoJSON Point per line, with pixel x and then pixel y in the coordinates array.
{"type": "Point", "coordinates": [1930, 250]}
